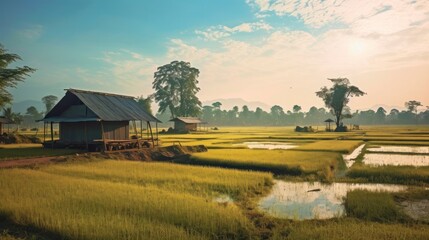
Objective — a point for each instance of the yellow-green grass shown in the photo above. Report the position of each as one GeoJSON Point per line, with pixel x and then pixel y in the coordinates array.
{"type": "Point", "coordinates": [351, 229]}
{"type": "Point", "coordinates": [373, 206]}
{"type": "Point", "coordinates": [201, 181]}
{"type": "Point", "coordinates": [401, 143]}
{"type": "Point", "coordinates": [23, 151]}
{"type": "Point", "coordinates": [128, 200]}
{"type": "Point", "coordinates": [276, 161]}
{"type": "Point", "coordinates": [342, 146]}
{"type": "Point", "coordinates": [390, 174]}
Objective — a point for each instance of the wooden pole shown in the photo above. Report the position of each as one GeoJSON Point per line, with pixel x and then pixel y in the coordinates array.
{"type": "Point", "coordinates": [135, 128]}
{"type": "Point", "coordinates": [157, 138]}
{"type": "Point", "coordinates": [151, 134]}
{"type": "Point", "coordinates": [44, 132]}
{"type": "Point", "coordinates": [102, 135]}
{"type": "Point", "coordinates": [52, 135]}
{"type": "Point", "coordinates": [147, 130]}
{"type": "Point", "coordinates": [141, 129]}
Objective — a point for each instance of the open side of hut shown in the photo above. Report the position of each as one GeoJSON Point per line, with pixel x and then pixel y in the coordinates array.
{"type": "Point", "coordinates": [186, 124]}
{"type": "Point", "coordinates": [328, 124]}
{"type": "Point", "coordinates": [96, 120]}
{"type": "Point", "coordinates": [3, 121]}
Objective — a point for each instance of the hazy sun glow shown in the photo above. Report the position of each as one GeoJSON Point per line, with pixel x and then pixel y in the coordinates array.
{"type": "Point", "coordinates": [357, 48]}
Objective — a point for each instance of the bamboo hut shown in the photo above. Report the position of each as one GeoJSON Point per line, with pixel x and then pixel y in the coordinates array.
{"type": "Point", "coordinates": [98, 121]}
{"type": "Point", "coordinates": [187, 124]}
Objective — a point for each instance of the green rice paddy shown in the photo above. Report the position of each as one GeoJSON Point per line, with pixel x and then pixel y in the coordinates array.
{"type": "Point", "coordinates": [212, 195]}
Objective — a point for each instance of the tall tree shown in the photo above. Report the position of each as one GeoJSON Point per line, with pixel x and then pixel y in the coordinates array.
{"type": "Point", "coordinates": [33, 113]}
{"type": "Point", "coordinates": [10, 77]}
{"type": "Point", "coordinates": [217, 105]}
{"type": "Point", "coordinates": [145, 103]}
{"type": "Point", "coordinates": [296, 108]}
{"type": "Point", "coordinates": [413, 105]}
{"type": "Point", "coordinates": [176, 87]}
{"type": "Point", "coordinates": [338, 96]}
{"type": "Point", "coordinates": [49, 102]}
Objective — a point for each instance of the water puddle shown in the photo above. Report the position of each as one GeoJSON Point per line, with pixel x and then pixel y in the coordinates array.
{"type": "Point", "coordinates": [304, 200]}
{"type": "Point", "coordinates": [400, 149]}
{"type": "Point", "coordinates": [349, 158]}
{"type": "Point", "coordinates": [268, 145]}
{"type": "Point", "coordinates": [223, 199]}
{"type": "Point", "coordinates": [378, 159]}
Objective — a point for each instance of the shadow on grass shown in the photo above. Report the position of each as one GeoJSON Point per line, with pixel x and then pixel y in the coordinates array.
{"type": "Point", "coordinates": [14, 230]}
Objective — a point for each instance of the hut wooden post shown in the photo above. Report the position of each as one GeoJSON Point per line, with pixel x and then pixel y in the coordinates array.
{"type": "Point", "coordinates": [102, 135]}
{"type": "Point", "coordinates": [141, 129]}
{"type": "Point", "coordinates": [157, 138]}
{"type": "Point", "coordinates": [52, 135]}
{"type": "Point", "coordinates": [137, 135]}
{"type": "Point", "coordinates": [151, 134]}
{"type": "Point", "coordinates": [44, 132]}
{"type": "Point", "coordinates": [147, 130]}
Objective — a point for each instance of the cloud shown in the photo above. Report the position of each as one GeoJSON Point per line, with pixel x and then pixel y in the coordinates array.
{"type": "Point", "coordinates": [33, 32]}
{"type": "Point", "coordinates": [218, 32]}
{"type": "Point", "coordinates": [363, 16]}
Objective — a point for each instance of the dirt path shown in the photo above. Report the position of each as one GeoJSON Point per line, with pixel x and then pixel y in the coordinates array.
{"type": "Point", "coordinates": [30, 161]}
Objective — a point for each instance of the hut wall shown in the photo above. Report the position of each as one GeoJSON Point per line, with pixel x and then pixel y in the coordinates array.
{"type": "Point", "coordinates": [75, 132]}
{"type": "Point", "coordinates": [182, 127]}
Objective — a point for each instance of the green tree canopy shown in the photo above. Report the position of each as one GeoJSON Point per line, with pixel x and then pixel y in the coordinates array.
{"type": "Point", "coordinates": [413, 105]}
{"type": "Point", "coordinates": [176, 87]}
{"type": "Point", "coordinates": [145, 103]}
{"type": "Point", "coordinates": [49, 102]}
{"type": "Point", "coordinates": [338, 96]}
{"type": "Point", "coordinates": [10, 77]}
{"type": "Point", "coordinates": [33, 113]}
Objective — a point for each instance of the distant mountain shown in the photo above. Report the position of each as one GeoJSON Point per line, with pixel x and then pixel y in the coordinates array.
{"type": "Point", "coordinates": [229, 103]}
{"type": "Point", "coordinates": [21, 107]}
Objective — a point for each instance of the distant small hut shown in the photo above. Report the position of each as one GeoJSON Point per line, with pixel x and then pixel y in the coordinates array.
{"type": "Point", "coordinates": [328, 124]}
{"type": "Point", "coordinates": [3, 121]}
{"type": "Point", "coordinates": [187, 124]}
{"type": "Point", "coordinates": [97, 121]}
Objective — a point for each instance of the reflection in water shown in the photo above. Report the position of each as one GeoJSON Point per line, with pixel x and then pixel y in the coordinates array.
{"type": "Point", "coordinates": [396, 159]}
{"type": "Point", "coordinates": [349, 159]}
{"type": "Point", "coordinates": [400, 149]}
{"type": "Point", "coordinates": [268, 145]}
{"type": "Point", "coordinates": [302, 200]}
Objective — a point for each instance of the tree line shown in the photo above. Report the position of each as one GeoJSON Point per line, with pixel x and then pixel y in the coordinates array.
{"type": "Point", "coordinates": [277, 116]}
{"type": "Point", "coordinates": [176, 85]}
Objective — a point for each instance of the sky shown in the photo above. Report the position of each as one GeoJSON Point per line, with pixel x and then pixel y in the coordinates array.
{"type": "Point", "coordinates": [278, 52]}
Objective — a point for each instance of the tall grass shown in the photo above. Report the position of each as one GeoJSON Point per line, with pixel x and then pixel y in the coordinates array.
{"type": "Point", "coordinates": [391, 174]}
{"type": "Point", "coordinates": [23, 151]}
{"type": "Point", "coordinates": [139, 206]}
{"type": "Point", "coordinates": [275, 161]}
{"type": "Point", "coordinates": [373, 206]}
{"type": "Point", "coordinates": [351, 229]}
{"type": "Point", "coordinates": [342, 146]}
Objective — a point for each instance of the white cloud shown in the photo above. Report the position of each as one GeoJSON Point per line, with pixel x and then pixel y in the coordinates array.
{"type": "Point", "coordinates": [363, 16]}
{"type": "Point", "coordinates": [33, 32]}
{"type": "Point", "coordinates": [218, 32]}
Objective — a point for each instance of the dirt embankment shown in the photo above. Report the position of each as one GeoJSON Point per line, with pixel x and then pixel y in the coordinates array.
{"type": "Point", "coordinates": [168, 153]}
{"type": "Point", "coordinates": [149, 154]}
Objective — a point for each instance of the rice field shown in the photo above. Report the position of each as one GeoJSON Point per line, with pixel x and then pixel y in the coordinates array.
{"type": "Point", "coordinates": [129, 200]}
{"type": "Point", "coordinates": [215, 194]}
{"type": "Point", "coordinates": [284, 162]}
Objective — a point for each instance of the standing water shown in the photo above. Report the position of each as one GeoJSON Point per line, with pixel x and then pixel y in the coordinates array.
{"type": "Point", "coordinates": [268, 145]}
{"type": "Point", "coordinates": [304, 200]}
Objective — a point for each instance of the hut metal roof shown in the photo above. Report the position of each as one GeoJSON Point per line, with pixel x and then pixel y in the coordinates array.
{"type": "Point", "coordinates": [188, 120]}
{"type": "Point", "coordinates": [106, 106]}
